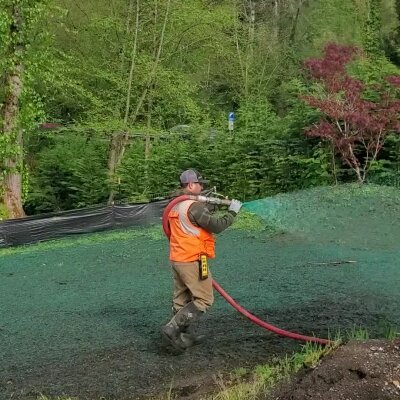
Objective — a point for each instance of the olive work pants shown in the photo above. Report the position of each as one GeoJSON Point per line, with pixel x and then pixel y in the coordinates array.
{"type": "Point", "coordinates": [189, 287]}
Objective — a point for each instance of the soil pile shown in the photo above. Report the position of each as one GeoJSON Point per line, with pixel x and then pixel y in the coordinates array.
{"type": "Point", "coordinates": [368, 370]}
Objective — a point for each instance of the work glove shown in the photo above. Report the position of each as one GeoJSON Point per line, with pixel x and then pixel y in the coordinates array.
{"type": "Point", "coordinates": [235, 206]}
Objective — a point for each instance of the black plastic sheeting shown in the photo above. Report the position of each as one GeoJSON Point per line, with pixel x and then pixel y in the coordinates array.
{"type": "Point", "coordinates": [56, 225]}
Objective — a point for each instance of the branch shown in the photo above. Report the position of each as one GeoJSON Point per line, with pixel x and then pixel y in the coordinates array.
{"type": "Point", "coordinates": [376, 151]}
{"type": "Point", "coordinates": [133, 62]}
{"type": "Point", "coordinates": [155, 65]}
{"type": "Point", "coordinates": [339, 127]}
{"type": "Point", "coordinates": [127, 32]}
{"type": "Point", "coordinates": [182, 35]}
{"type": "Point", "coordinates": [238, 48]}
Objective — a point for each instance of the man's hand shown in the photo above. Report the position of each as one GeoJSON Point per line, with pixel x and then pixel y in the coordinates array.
{"type": "Point", "coordinates": [235, 206]}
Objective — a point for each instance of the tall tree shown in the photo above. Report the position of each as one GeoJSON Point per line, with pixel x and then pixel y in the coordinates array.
{"type": "Point", "coordinates": [120, 140]}
{"type": "Point", "coordinates": [19, 21]}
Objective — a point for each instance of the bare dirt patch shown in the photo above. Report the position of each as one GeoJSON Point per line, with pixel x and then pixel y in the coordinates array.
{"type": "Point", "coordinates": [368, 370]}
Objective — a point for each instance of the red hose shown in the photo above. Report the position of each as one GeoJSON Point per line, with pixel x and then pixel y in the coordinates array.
{"type": "Point", "coordinates": [229, 299]}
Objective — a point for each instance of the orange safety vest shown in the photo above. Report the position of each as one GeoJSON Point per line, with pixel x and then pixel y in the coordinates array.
{"type": "Point", "coordinates": [187, 241]}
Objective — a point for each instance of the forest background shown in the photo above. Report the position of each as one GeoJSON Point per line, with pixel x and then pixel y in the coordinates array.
{"type": "Point", "coordinates": [108, 100]}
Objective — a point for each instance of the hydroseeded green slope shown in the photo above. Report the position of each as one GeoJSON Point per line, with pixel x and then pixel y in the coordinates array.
{"type": "Point", "coordinates": [100, 299]}
{"type": "Point", "coordinates": [366, 216]}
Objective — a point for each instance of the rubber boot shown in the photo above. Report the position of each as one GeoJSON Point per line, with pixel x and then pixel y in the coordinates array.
{"type": "Point", "coordinates": [190, 338]}
{"type": "Point", "coordinates": [172, 331]}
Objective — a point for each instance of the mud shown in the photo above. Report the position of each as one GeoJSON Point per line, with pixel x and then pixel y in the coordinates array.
{"type": "Point", "coordinates": [131, 372]}
{"type": "Point", "coordinates": [368, 370]}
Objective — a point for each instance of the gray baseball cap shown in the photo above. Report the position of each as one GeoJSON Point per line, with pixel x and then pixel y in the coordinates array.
{"type": "Point", "coordinates": [192, 176]}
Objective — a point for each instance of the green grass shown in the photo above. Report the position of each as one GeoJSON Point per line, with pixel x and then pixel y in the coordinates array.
{"type": "Point", "coordinates": [358, 333]}
{"type": "Point", "coordinates": [391, 332]}
{"type": "Point", "coordinates": [243, 384]}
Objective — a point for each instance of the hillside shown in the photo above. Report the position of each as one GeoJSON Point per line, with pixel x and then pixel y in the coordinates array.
{"type": "Point", "coordinates": [84, 312]}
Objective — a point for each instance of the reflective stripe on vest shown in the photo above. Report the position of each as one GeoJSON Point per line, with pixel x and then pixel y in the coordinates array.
{"type": "Point", "coordinates": [187, 241]}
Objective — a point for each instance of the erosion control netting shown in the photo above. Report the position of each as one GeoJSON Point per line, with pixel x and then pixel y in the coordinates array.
{"type": "Point", "coordinates": [81, 316]}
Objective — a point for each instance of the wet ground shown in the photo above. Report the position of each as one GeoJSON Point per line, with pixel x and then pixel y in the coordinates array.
{"type": "Point", "coordinates": [81, 317]}
{"type": "Point", "coordinates": [83, 320]}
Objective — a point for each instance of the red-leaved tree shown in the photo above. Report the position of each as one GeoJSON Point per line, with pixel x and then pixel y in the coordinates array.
{"type": "Point", "coordinates": [356, 127]}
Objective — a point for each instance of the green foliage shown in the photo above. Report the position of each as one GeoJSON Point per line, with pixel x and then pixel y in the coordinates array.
{"type": "Point", "coordinates": [386, 170]}
{"type": "Point", "coordinates": [71, 173]}
{"type": "Point", "coordinates": [330, 21]}
{"type": "Point", "coordinates": [265, 155]}
{"type": "Point", "coordinates": [214, 59]}
{"type": "Point", "coordinates": [3, 212]}
{"type": "Point", "coordinates": [392, 35]}
{"type": "Point", "coordinates": [372, 28]}
{"type": "Point", "coordinates": [157, 174]}
{"type": "Point", "coordinates": [23, 45]}
{"type": "Point", "coordinates": [372, 70]}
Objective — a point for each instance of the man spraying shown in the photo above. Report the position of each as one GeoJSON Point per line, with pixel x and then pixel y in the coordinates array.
{"type": "Point", "coordinates": [192, 242]}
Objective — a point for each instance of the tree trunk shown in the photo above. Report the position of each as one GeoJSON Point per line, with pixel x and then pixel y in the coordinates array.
{"type": "Point", "coordinates": [353, 162]}
{"type": "Point", "coordinates": [116, 152]}
{"type": "Point", "coordinates": [276, 21]}
{"type": "Point", "coordinates": [147, 147]}
{"type": "Point", "coordinates": [334, 163]}
{"type": "Point", "coordinates": [119, 141]}
{"type": "Point", "coordinates": [12, 195]}
{"type": "Point", "coordinates": [250, 47]}
{"type": "Point", "coordinates": [292, 36]}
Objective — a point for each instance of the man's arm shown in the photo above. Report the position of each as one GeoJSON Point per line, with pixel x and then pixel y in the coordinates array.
{"type": "Point", "coordinates": [199, 215]}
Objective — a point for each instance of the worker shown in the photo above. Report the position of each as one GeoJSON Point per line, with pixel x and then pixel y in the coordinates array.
{"type": "Point", "coordinates": [192, 226]}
